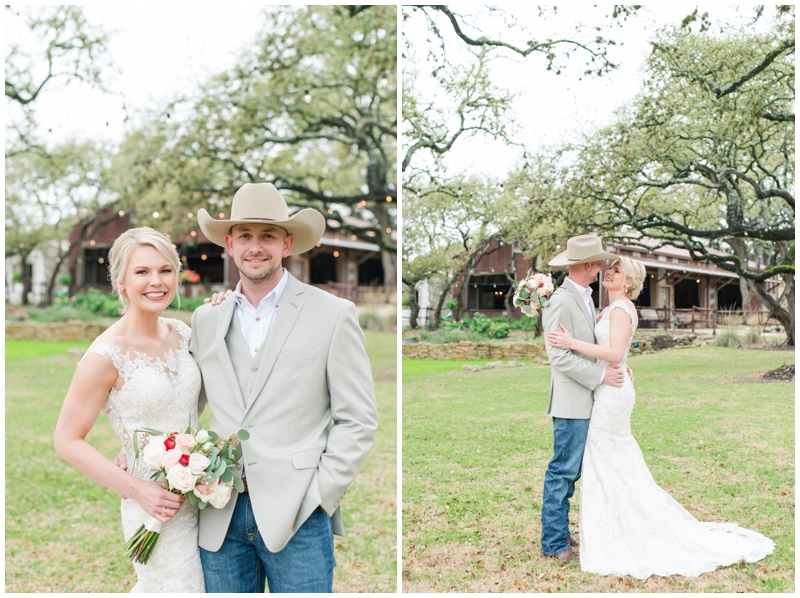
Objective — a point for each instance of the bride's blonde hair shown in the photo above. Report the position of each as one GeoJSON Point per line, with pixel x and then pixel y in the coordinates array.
{"type": "Point", "coordinates": [635, 274]}
{"type": "Point", "coordinates": [122, 249]}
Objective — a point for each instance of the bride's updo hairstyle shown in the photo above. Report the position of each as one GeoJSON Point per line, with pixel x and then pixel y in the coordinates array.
{"type": "Point", "coordinates": [123, 247]}
{"type": "Point", "coordinates": [635, 274]}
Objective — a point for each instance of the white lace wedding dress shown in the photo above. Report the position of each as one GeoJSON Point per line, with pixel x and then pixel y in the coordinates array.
{"type": "Point", "coordinates": [628, 524]}
{"type": "Point", "coordinates": [159, 392]}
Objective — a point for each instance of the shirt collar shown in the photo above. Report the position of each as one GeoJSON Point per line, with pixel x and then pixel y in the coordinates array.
{"type": "Point", "coordinates": [276, 293]}
{"type": "Point", "coordinates": [586, 291]}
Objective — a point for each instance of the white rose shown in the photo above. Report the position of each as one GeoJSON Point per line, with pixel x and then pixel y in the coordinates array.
{"type": "Point", "coordinates": [185, 442]}
{"type": "Point", "coordinates": [170, 458]}
{"type": "Point", "coordinates": [181, 478]}
{"type": "Point", "coordinates": [221, 496]}
{"type": "Point", "coordinates": [154, 451]}
{"type": "Point", "coordinates": [207, 446]}
{"type": "Point", "coordinates": [198, 463]}
{"type": "Point", "coordinates": [201, 437]}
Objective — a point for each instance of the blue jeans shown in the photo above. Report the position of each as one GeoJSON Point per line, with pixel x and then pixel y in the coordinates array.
{"type": "Point", "coordinates": [564, 469]}
{"type": "Point", "coordinates": [243, 563]}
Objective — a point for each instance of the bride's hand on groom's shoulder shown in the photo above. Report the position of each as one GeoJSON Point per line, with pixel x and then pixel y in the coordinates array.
{"type": "Point", "coordinates": [217, 298]}
{"type": "Point", "coordinates": [560, 340]}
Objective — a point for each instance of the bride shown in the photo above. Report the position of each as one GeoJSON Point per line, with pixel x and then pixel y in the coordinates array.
{"type": "Point", "coordinates": [628, 524]}
{"type": "Point", "coordinates": [141, 374]}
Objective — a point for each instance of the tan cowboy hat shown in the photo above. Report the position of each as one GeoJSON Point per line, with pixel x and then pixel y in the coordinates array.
{"type": "Point", "coordinates": [582, 249]}
{"type": "Point", "coordinates": [261, 203]}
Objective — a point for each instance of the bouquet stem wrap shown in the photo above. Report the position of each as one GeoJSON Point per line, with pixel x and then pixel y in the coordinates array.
{"type": "Point", "coordinates": [141, 545]}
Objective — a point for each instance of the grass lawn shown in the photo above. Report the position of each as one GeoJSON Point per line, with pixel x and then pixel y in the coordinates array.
{"type": "Point", "coordinates": [476, 446]}
{"type": "Point", "coordinates": [63, 531]}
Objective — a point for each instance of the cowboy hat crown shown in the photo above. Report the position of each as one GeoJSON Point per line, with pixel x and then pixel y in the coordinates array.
{"type": "Point", "coordinates": [261, 203]}
{"type": "Point", "coordinates": [582, 249]}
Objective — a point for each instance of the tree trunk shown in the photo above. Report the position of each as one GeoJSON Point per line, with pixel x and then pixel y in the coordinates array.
{"type": "Point", "coordinates": [460, 303]}
{"type": "Point", "coordinates": [25, 278]}
{"type": "Point", "coordinates": [437, 315]}
{"type": "Point", "coordinates": [747, 297]}
{"type": "Point", "coordinates": [784, 316]}
{"type": "Point", "coordinates": [389, 263]}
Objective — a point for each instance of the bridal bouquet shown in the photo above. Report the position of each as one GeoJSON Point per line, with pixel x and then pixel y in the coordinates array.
{"type": "Point", "coordinates": [533, 292]}
{"type": "Point", "coordinates": [196, 463]}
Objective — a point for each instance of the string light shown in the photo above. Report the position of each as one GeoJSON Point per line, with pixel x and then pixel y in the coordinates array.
{"type": "Point", "coordinates": [183, 258]}
{"type": "Point", "coordinates": [169, 118]}
{"type": "Point", "coordinates": [234, 108]}
{"type": "Point", "coordinates": [193, 233]}
{"type": "Point", "coordinates": [222, 214]}
{"type": "Point", "coordinates": [384, 81]}
{"type": "Point", "coordinates": [319, 244]}
{"type": "Point", "coordinates": [204, 257]}
{"type": "Point", "coordinates": [189, 215]}
{"type": "Point", "coordinates": [354, 237]}
{"type": "Point", "coordinates": [121, 212]}
{"type": "Point", "coordinates": [389, 198]}
{"type": "Point", "coordinates": [100, 261]}
{"type": "Point", "coordinates": [155, 214]}
{"type": "Point", "coordinates": [388, 230]}
{"type": "Point", "coordinates": [335, 254]}
{"type": "Point", "coordinates": [92, 242]}
{"type": "Point", "coordinates": [223, 256]}
{"type": "Point", "coordinates": [307, 97]}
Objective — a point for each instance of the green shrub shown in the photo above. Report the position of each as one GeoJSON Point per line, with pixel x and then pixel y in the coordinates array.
{"type": "Point", "coordinates": [753, 336]}
{"type": "Point", "coordinates": [524, 323]}
{"type": "Point", "coordinates": [97, 302]}
{"type": "Point", "coordinates": [188, 304]}
{"type": "Point", "coordinates": [498, 329]}
{"type": "Point", "coordinates": [727, 338]}
{"type": "Point", "coordinates": [480, 323]}
{"type": "Point", "coordinates": [443, 336]}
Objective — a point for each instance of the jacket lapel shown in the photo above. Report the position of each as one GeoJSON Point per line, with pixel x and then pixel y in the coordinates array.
{"type": "Point", "coordinates": [581, 305]}
{"type": "Point", "coordinates": [226, 312]}
{"type": "Point", "coordinates": [290, 306]}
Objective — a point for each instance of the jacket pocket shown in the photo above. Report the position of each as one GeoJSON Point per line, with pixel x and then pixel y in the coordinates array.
{"type": "Point", "coordinates": [307, 459]}
{"type": "Point", "coordinates": [296, 356]}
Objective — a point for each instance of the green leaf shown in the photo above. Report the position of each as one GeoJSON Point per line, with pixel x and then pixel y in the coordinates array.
{"type": "Point", "coordinates": [243, 434]}
{"type": "Point", "coordinates": [227, 476]}
{"type": "Point", "coordinates": [202, 504]}
{"type": "Point", "coordinates": [213, 436]}
{"type": "Point", "coordinates": [192, 498]}
{"type": "Point", "coordinates": [237, 453]}
{"type": "Point", "coordinates": [238, 484]}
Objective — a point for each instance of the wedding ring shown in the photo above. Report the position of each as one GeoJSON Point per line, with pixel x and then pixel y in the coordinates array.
{"type": "Point", "coordinates": [164, 513]}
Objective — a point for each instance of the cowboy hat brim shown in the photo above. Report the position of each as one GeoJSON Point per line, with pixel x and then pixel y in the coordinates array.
{"type": "Point", "coordinates": [562, 260]}
{"type": "Point", "coordinates": [306, 226]}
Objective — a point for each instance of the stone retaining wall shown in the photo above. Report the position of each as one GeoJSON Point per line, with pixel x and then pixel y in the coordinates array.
{"type": "Point", "coordinates": [467, 350]}
{"type": "Point", "coordinates": [470, 350]}
{"type": "Point", "coordinates": [58, 331]}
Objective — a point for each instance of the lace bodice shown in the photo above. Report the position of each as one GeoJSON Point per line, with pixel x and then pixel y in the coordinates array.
{"type": "Point", "coordinates": [156, 391]}
{"type": "Point", "coordinates": [602, 329]}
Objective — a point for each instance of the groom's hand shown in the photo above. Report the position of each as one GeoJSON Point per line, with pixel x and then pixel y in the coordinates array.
{"type": "Point", "coordinates": [613, 376]}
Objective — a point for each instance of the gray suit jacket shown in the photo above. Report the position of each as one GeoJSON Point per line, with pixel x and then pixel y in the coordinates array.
{"type": "Point", "coordinates": [311, 412]}
{"type": "Point", "coordinates": [573, 376]}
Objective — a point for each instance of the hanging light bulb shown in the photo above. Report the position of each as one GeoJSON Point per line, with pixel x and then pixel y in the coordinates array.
{"type": "Point", "coordinates": [155, 214]}
{"type": "Point", "coordinates": [169, 118]}
{"type": "Point", "coordinates": [384, 81]}
{"type": "Point", "coordinates": [307, 97]}
{"type": "Point", "coordinates": [234, 108]}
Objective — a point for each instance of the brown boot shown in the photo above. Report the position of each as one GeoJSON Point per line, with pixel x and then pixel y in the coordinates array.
{"type": "Point", "coordinates": [572, 541]}
{"type": "Point", "coordinates": [567, 556]}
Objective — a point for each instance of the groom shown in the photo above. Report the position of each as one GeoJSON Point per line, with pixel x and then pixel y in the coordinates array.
{"type": "Point", "coordinates": [572, 382]}
{"type": "Point", "coordinates": [286, 362]}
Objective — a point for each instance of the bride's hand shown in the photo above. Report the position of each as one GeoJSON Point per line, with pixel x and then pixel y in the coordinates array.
{"type": "Point", "coordinates": [217, 298]}
{"type": "Point", "coordinates": [560, 340]}
{"type": "Point", "coordinates": [157, 501]}
{"type": "Point", "coordinates": [121, 461]}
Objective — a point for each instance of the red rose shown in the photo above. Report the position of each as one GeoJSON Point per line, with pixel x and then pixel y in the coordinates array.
{"type": "Point", "coordinates": [184, 460]}
{"type": "Point", "coordinates": [169, 443]}
{"type": "Point", "coordinates": [541, 284]}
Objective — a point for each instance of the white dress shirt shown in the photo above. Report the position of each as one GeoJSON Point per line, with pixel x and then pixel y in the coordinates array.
{"type": "Point", "coordinates": [256, 322]}
{"type": "Point", "coordinates": [586, 295]}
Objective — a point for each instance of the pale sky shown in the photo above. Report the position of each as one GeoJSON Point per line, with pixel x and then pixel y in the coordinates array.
{"type": "Point", "coordinates": [159, 51]}
{"type": "Point", "coordinates": [550, 108]}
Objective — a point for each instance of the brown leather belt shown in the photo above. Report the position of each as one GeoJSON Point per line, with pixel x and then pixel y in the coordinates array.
{"type": "Point", "coordinates": [244, 481]}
